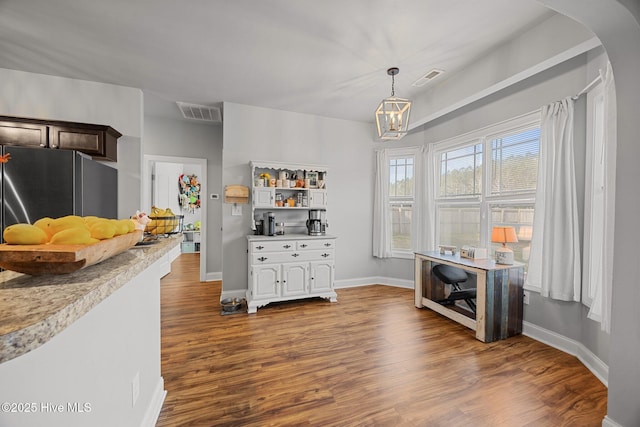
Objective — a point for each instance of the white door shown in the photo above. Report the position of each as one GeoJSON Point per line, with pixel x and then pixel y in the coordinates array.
{"type": "Point", "coordinates": [266, 281]}
{"type": "Point", "coordinates": [321, 277]}
{"type": "Point", "coordinates": [294, 279]}
{"type": "Point", "coordinates": [165, 186]}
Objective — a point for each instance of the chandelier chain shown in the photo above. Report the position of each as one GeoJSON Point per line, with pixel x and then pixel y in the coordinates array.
{"type": "Point", "coordinates": [393, 84]}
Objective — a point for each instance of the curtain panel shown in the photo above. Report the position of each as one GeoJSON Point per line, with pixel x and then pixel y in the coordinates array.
{"type": "Point", "coordinates": [554, 263]}
{"type": "Point", "coordinates": [381, 214]}
{"type": "Point", "coordinates": [601, 305]}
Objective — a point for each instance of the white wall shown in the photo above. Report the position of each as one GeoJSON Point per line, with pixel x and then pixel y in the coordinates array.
{"type": "Point", "coordinates": [253, 133]}
{"type": "Point", "coordinates": [56, 98]}
{"type": "Point", "coordinates": [167, 134]}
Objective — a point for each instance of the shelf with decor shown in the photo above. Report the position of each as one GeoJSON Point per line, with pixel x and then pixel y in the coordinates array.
{"type": "Point", "coordinates": [287, 187]}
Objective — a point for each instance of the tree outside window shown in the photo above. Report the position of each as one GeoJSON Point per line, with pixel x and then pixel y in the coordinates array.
{"type": "Point", "coordinates": [401, 200]}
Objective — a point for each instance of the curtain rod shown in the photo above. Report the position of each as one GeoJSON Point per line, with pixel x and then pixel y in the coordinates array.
{"type": "Point", "coordinates": [587, 88]}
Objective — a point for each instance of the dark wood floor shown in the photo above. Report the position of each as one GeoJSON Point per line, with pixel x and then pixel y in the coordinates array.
{"type": "Point", "coordinates": [371, 359]}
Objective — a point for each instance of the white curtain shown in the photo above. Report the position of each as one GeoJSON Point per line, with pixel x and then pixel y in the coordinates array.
{"type": "Point", "coordinates": [381, 214]}
{"type": "Point", "coordinates": [554, 263]}
{"type": "Point", "coordinates": [425, 223]}
{"type": "Point", "coordinates": [601, 305]}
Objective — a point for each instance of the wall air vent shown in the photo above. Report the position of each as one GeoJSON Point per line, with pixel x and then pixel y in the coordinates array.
{"type": "Point", "coordinates": [432, 74]}
{"type": "Point", "coordinates": [200, 112]}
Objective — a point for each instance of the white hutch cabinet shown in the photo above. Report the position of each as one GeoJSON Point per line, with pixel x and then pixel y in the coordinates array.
{"type": "Point", "coordinates": [294, 265]}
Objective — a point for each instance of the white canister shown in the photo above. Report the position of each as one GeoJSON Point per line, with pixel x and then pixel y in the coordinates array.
{"type": "Point", "coordinates": [283, 175]}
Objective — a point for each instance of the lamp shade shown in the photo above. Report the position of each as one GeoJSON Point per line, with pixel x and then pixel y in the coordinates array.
{"type": "Point", "coordinates": [502, 234]}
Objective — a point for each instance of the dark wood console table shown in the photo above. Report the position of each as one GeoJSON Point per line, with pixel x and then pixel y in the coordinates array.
{"type": "Point", "coordinates": [499, 294]}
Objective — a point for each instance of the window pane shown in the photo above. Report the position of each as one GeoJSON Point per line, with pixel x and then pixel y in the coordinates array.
{"type": "Point", "coordinates": [461, 172]}
{"type": "Point", "coordinates": [401, 177]}
{"type": "Point", "coordinates": [515, 162]}
{"type": "Point", "coordinates": [401, 226]}
{"type": "Point", "coordinates": [521, 218]}
{"type": "Point", "coordinates": [459, 226]}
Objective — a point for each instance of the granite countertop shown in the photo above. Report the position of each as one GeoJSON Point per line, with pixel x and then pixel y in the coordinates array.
{"type": "Point", "coordinates": [33, 309]}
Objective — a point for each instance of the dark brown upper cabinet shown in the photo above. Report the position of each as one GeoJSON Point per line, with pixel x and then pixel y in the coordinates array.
{"type": "Point", "coordinates": [26, 134]}
{"type": "Point", "coordinates": [97, 141]}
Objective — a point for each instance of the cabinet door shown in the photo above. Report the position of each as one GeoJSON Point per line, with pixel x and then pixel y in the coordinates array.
{"type": "Point", "coordinates": [98, 142]}
{"type": "Point", "coordinates": [85, 140]}
{"type": "Point", "coordinates": [263, 197]}
{"type": "Point", "coordinates": [294, 279]}
{"type": "Point", "coordinates": [25, 134]}
{"type": "Point", "coordinates": [321, 276]}
{"type": "Point", "coordinates": [266, 281]}
{"type": "Point", "coordinates": [317, 198]}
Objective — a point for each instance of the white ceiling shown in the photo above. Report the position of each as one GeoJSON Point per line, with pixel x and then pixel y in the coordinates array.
{"type": "Point", "coordinates": [322, 57]}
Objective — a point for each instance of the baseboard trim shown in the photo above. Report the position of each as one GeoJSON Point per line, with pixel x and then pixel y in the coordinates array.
{"type": "Point", "coordinates": [574, 348]}
{"type": "Point", "coordinates": [608, 422]}
{"type": "Point", "coordinates": [155, 406]}
{"type": "Point", "coordinates": [376, 280]}
{"type": "Point", "coordinates": [213, 277]}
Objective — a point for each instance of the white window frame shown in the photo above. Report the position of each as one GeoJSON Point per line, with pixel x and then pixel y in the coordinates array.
{"type": "Point", "coordinates": [403, 153]}
{"type": "Point", "coordinates": [484, 201]}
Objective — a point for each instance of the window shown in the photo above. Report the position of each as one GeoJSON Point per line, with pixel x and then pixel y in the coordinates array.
{"type": "Point", "coordinates": [488, 178]}
{"type": "Point", "coordinates": [401, 200]}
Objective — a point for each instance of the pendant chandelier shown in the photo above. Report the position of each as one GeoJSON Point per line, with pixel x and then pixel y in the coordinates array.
{"type": "Point", "coordinates": [392, 115]}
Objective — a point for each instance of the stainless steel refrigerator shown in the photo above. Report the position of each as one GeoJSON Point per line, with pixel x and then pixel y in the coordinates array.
{"type": "Point", "coordinates": [39, 182]}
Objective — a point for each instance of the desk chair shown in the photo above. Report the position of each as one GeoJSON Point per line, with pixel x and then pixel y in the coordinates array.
{"type": "Point", "coordinates": [454, 276]}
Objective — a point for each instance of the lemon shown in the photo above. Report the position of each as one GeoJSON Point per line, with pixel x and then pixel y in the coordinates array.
{"type": "Point", "coordinates": [102, 229]}
{"type": "Point", "coordinates": [24, 234]}
{"type": "Point", "coordinates": [72, 236]}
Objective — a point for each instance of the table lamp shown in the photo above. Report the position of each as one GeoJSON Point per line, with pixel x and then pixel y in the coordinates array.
{"type": "Point", "coordinates": [504, 235]}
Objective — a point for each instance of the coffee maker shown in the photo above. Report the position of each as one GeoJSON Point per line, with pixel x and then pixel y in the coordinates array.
{"type": "Point", "coordinates": [269, 224]}
{"type": "Point", "coordinates": [317, 223]}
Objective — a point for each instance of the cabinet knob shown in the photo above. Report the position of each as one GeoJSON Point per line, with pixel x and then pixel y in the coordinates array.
{"type": "Point", "coordinates": [262, 258]}
{"type": "Point", "coordinates": [325, 255]}
{"type": "Point", "coordinates": [295, 255]}
{"type": "Point", "coordinates": [303, 245]}
{"type": "Point", "coordinates": [286, 246]}
{"type": "Point", "coordinates": [259, 247]}
{"type": "Point", "coordinates": [327, 244]}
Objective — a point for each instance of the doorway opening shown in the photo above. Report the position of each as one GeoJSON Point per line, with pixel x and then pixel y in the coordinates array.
{"type": "Point", "coordinates": [161, 187]}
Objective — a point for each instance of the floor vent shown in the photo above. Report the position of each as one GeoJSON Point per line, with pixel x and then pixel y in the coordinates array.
{"type": "Point", "coordinates": [200, 112]}
{"type": "Point", "coordinates": [427, 77]}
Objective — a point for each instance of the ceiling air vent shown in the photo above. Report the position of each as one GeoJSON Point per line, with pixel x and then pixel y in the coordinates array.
{"type": "Point", "coordinates": [200, 112]}
{"type": "Point", "coordinates": [427, 77]}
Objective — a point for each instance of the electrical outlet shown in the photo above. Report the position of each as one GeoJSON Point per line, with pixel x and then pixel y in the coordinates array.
{"type": "Point", "coordinates": [525, 297]}
{"type": "Point", "coordinates": [236, 210]}
{"type": "Point", "coordinates": [135, 389]}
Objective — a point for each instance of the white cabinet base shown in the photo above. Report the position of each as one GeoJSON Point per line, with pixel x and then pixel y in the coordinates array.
{"type": "Point", "coordinates": [254, 305]}
{"type": "Point", "coordinates": [286, 268]}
